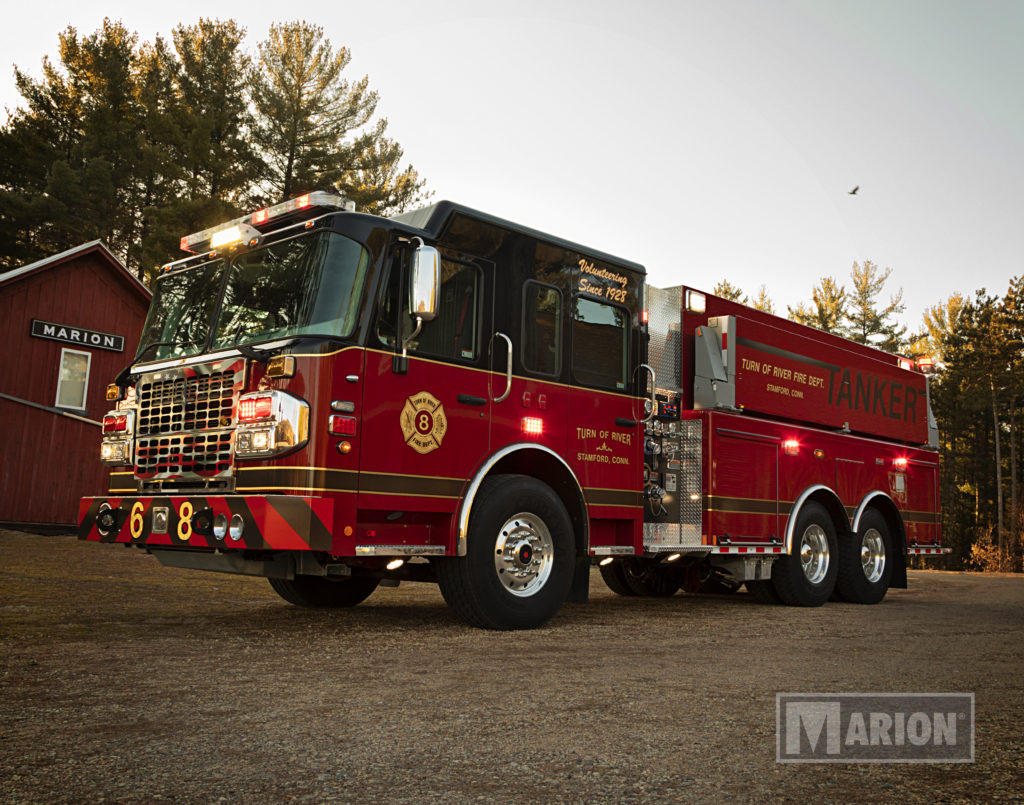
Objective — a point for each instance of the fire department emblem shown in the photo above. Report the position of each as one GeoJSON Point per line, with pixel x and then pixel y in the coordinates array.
{"type": "Point", "coordinates": [423, 422]}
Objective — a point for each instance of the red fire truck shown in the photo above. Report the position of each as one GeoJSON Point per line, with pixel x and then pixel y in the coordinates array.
{"type": "Point", "coordinates": [338, 401]}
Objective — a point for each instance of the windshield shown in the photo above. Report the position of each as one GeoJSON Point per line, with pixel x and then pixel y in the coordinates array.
{"type": "Point", "coordinates": [307, 285]}
{"type": "Point", "coordinates": [179, 315]}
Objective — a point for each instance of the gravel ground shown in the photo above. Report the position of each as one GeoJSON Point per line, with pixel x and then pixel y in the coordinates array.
{"type": "Point", "coordinates": [124, 681]}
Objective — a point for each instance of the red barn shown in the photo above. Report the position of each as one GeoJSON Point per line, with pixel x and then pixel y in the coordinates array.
{"type": "Point", "coordinates": [68, 325]}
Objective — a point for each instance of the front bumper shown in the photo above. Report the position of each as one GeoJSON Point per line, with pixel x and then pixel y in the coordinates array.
{"type": "Point", "coordinates": [270, 522]}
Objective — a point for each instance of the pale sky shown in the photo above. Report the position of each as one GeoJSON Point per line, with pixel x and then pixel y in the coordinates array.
{"type": "Point", "coordinates": [706, 140]}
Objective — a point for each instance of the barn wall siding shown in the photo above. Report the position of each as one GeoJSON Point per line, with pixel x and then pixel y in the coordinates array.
{"type": "Point", "coordinates": [47, 462]}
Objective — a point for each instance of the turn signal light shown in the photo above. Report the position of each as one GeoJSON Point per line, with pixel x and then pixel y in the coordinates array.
{"type": "Point", "coordinates": [252, 409]}
{"type": "Point", "coordinates": [281, 366]}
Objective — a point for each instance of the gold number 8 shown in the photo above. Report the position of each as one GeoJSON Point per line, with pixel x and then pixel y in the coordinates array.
{"type": "Point", "coordinates": [185, 521]}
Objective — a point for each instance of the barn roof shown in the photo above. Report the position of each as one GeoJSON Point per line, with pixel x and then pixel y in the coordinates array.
{"type": "Point", "coordinates": [58, 259]}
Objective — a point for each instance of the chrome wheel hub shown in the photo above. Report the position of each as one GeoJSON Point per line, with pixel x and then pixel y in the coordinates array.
{"type": "Point", "coordinates": [872, 555]}
{"type": "Point", "coordinates": [523, 554]}
{"type": "Point", "coordinates": [814, 553]}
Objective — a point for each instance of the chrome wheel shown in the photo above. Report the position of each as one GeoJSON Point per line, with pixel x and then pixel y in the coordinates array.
{"type": "Point", "coordinates": [872, 555]}
{"type": "Point", "coordinates": [523, 554]}
{"type": "Point", "coordinates": [814, 553]}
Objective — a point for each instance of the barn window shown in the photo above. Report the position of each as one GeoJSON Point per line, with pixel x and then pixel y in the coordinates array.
{"type": "Point", "coordinates": [73, 381]}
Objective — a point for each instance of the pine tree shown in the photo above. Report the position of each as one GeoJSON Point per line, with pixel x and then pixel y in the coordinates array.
{"type": "Point", "coordinates": [375, 180]}
{"type": "Point", "coordinates": [939, 327]}
{"type": "Point", "coordinates": [69, 159]}
{"type": "Point", "coordinates": [864, 321]}
{"type": "Point", "coordinates": [314, 127]}
{"type": "Point", "coordinates": [214, 115]}
{"type": "Point", "coordinates": [161, 178]}
{"type": "Point", "coordinates": [762, 301]}
{"type": "Point", "coordinates": [304, 107]}
{"type": "Point", "coordinates": [829, 300]}
{"type": "Point", "coordinates": [727, 290]}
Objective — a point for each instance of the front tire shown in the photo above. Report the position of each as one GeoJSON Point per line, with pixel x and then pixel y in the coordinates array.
{"type": "Point", "coordinates": [865, 561]}
{"type": "Point", "coordinates": [323, 593]}
{"type": "Point", "coordinates": [806, 576]}
{"type": "Point", "coordinates": [518, 566]}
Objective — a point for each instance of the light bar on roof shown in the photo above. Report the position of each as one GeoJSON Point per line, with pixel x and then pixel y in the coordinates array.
{"type": "Point", "coordinates": [201, 241]}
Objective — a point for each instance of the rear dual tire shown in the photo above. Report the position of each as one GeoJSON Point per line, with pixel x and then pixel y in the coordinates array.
{"type": "Point", "coordinates": [806, 576]}
{"type": "Point", "coordinates": [866, 561]}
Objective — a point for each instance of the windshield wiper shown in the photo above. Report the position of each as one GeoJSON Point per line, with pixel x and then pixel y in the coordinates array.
{"type": "Point", "coordinates": [253, 354]}
{"type": "Point", "coordinates": [188, 342]}
{"type": "Point", "coordinates": [152, 344]}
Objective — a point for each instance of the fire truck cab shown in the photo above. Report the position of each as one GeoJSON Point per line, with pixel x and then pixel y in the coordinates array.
{"type": "Point", "coordinates": [337, 401]}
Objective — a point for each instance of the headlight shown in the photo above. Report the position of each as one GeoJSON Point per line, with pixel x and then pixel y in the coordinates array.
{"type": "Point", "coordinates": [115, 452]}
{"type": "Point", "coordinates": [270, 423]}
{"type": "Point", "coordinates": [118, 429]}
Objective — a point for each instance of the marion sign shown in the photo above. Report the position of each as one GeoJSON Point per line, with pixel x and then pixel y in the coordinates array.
{"type": "Point", "coordinates": [77, 335]}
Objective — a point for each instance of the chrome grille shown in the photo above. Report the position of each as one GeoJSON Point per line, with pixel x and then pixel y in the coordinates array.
{"type": "Point", "coordinates": [202, 402]}
{"type": "Point", "coordinates": [198, 453]}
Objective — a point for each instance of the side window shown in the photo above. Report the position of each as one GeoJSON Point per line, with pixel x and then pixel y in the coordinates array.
{"type": "Point", "coordinates": [599, 344]}
{"type": "Point", "coordinates": [73, 380]}
{"type": "Point", "coordinates": [542, 328]}
{"type": "Point", "coordinates": [453, 334]}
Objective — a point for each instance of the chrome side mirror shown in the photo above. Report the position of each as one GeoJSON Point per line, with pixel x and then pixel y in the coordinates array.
{"type": "Point", "coordinates": [425, 281]}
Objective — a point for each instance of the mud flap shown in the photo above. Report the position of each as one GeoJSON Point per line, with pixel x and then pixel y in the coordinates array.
{"type": "Point", "coordinates": [580, 590]}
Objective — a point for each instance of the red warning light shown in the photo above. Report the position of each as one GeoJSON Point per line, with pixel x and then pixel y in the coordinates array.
{"type": "Point", "coordinates": [533, 426]}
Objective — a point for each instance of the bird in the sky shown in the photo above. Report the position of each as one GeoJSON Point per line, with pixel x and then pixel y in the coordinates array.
{"type": "Point", "coordinates": [854, 191]}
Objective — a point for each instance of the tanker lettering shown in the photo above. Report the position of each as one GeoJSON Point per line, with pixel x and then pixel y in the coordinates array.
{"type": "Point", "coordinates": [872, 395]}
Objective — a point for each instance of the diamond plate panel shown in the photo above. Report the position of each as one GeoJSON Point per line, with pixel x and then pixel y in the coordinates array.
{"type": "Point", "coordinates": [690, 476]}
{"type": "Point", "coordinates": [664, 308]}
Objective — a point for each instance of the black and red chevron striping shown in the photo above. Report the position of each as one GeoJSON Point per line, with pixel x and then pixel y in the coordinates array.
{"type": "Point", "coordinates": [272, 522]}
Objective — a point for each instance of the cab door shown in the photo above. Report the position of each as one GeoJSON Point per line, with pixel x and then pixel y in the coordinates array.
{"type": "Point", "coordinates": [605, 434]}
{"type": "Point", "coordinates": [425, 425]}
